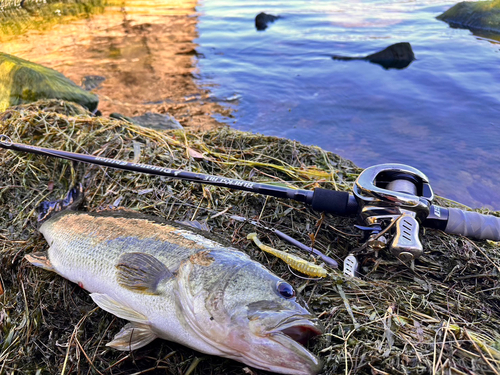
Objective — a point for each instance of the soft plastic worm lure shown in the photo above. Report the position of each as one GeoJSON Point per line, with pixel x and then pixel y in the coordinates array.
{"type": "Point", "coordinates": [293, 261]}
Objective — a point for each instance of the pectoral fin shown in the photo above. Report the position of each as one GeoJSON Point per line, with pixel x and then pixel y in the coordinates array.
{"type": "Point", "coordinates": [141, 272]}
{"type": "Point", "coordinates": [132, 336]}
{"type": "Point", "coordinates": [41, 260]}
{"type": "Point", "coordinates": [114, 307]}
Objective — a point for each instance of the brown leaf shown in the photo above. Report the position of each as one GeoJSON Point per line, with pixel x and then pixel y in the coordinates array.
{"type": "Point", "coordinates": [195, 154]}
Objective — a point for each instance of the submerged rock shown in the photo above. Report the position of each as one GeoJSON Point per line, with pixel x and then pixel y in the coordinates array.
{"type": "Point", "coordinates": [22, 81]}
{"type": "Point", "coordinates": [92, 82]}
{"type": "Point", "coordinates": [481, 15]}
{"type": "Point", "coordinates": [263, 19]}
{"type": "Point", "coordinates": [396, 56]}
{"type": "Point", "coordinates": [152, 120]}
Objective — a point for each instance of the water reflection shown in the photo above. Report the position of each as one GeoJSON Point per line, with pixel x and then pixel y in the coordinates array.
{"type": "Point", "coordinates": [142, 52]}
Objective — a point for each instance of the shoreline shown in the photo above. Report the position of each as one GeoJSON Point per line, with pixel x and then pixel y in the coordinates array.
{"type": "Point", "coordinates": [145, 53]}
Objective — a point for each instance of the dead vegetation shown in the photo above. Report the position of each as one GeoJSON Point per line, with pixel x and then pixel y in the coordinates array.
{"type": "Point", "coordinates": [441, 317]}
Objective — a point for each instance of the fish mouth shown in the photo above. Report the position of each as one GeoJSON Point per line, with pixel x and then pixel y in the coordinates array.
{"type": "Point", "coordinates": [298, 329]}
{"type": "Point", "coordinates": [292, 334]}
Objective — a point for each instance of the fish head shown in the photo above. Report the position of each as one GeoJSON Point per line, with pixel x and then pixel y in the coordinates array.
{"type": "Point", "coordinates": [249, 314]}
{"type": "Point", "coordinates": [278, 326]}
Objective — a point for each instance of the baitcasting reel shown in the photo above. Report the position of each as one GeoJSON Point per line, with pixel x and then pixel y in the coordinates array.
{"type": "Point", "coordinates": [393, 200]}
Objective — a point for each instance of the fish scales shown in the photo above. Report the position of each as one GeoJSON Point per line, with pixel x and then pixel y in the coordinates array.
{"type": "Point", "coordinates": [179, 285]}
{"type": "Point", "coordinates": [88, 253]}
{"type": "Point", "coordinates": [97, 241]}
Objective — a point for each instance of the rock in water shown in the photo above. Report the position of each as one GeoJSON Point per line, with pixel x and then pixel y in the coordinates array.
{"type": "Point", "coordinates": [396, 56]}
{"type": "Point", "coordinates": [262, 19]}
{"type": "Point", "coordinates": [92, 82]}
{"type": "Point", "coordinates": [22, 81]}
{"type": "Point", "coordinates": [481, 15]}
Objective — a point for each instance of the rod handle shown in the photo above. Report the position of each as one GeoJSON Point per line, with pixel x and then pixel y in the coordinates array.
{"type": "Point", "coordinates": [335, 202]}
{"type": "Point", "coordinates": [473, 225]}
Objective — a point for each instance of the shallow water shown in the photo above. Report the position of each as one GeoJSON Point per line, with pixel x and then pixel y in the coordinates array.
{"type": "Point", "coordinates": [142, 53]}
{"type": "Point", "coordinates": [440, 114]}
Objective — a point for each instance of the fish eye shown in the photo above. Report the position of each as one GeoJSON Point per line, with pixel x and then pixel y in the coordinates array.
{"type": "Point", "coordinates": [285, 290]}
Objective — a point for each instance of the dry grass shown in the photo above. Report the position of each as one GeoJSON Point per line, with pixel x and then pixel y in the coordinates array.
{"type": "Point", "coordinates": [442, 317]}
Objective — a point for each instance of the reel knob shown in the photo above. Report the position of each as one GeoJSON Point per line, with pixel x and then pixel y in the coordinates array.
{"type": "Point", "coordinates": [406, 243]}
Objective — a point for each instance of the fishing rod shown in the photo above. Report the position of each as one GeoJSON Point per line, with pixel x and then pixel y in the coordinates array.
{"type": "Point", "coordinates": [391, 201]}
{"type": "Point", "coordinates": [337, 202]}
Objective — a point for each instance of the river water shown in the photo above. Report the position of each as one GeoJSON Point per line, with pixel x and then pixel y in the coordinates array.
{"type": "Point", "coordinates": [440, 114]}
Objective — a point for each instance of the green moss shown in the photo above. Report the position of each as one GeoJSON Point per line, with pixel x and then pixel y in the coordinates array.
{"type": "Point", "coordinates": [16, 20]}
{"type": "Point", "coordinates": [481, 15]}
{"type": "Point", "coordinates": [22, 81]}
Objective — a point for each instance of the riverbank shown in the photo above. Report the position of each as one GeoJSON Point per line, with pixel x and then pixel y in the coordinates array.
{"type": "Point", "coordinates": [441, 316]}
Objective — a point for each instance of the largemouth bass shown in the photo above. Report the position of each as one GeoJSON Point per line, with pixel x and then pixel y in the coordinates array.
{"type": "Point", "coordinates": [181, 286]}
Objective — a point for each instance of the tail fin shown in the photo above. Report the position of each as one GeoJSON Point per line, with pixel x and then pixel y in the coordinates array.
{"type": "Point", "coordinates": [72, 201]}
